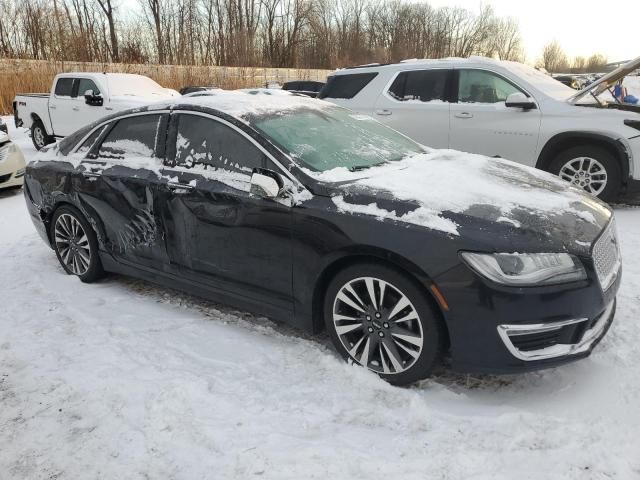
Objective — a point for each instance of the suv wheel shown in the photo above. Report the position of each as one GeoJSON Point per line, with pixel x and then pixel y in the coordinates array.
{"type": "Point", "coordinates": [591, 168]}
{"type": "Point", "coordinates": [378, 318]}
{"type": "Point", "coordinates": [75, 244]}
{"type": "Point", "coordinates": [39, 135]}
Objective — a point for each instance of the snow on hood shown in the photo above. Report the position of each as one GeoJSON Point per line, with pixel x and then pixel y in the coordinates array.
{"type": "Point", "coordinates": [606, 81]}
{"type": "Point", "coordinates": [450, 181]}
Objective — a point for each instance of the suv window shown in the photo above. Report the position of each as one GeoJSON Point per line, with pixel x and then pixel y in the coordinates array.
{"type": "Point", "coordinates": [480, 86]}
{"type": "Point", "coordinates": [346, 86]}
{"type": "Point", "coordinates": [85, 84]}
{"type": "Point", "coordinates": [132, 137]}
{"type": "Point", "coordinates": [422, 85]}
{"type": "Point", "coordinates": [206, 144]}
{"type": "Point", "coordinates": [64, 87]}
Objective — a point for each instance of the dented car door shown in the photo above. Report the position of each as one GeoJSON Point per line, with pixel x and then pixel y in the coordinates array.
{"type": "Point", "coordinates": [118, 182]}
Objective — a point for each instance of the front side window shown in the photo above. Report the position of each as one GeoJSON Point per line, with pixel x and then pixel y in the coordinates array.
{"type": "Point", "coordinates": [132, 137]}
{"type": "Point", "coordinates": [206, 145]}
{"type": "Point", "coordinates": [85, 84]}
{"type": "Point", "coordinates": [64, 87]}
{"type": "Point", "coordinates": [480, 86]}
{"type": "Point", "coordinates": [420, 85]}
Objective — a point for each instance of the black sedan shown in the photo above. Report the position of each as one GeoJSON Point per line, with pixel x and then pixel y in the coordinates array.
{"type": "Point", "coordinates": [325, 219]}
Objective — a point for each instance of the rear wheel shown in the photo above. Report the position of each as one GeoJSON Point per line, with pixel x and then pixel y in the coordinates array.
{"type": "Point", "coordinates": [591, 168]}
{"type": "Point", "coordinates": [379, 318]}
{"type": "Point", "coordinates": [39, 135]}
{"type": "Point", "coordinates": [75, 244]}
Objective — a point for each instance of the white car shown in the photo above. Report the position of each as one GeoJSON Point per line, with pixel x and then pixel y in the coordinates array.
{"type": "Point", "coordinates": [503, 109]}
{"type": "Point", "coordinates": [11, 162]}
{"type": "Point", "coordinates": [78, 99]}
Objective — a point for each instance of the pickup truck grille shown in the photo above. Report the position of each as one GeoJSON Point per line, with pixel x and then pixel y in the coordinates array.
{"type": "Point", "coordinates": [606, 256]}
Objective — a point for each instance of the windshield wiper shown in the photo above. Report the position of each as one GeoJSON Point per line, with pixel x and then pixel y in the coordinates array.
{"type": "Point", "coordinates": [358, 168]}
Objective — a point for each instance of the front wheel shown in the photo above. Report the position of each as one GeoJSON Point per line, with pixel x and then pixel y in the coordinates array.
{"type": "Point", "coordinates": [592, 168]}
{"type": "Point", "coordinates": [39, 135]}
{"type": "Point", "coordinates": [379, 318]}
{"type": "Point", "coordinates": [75, 244]}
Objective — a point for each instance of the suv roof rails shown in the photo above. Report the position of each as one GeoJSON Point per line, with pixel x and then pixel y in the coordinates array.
{"type": "Point", "coordinates": [367, 66]}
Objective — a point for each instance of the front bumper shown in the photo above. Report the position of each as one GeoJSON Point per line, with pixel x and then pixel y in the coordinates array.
{"type": "Point", "coordinates": [12, 166]}
{"type": "Point", "coordinates": [512, 330]}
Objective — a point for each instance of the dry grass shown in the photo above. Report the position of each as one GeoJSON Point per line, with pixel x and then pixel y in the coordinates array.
{"type": "Point", "coordinates": [33, 76]}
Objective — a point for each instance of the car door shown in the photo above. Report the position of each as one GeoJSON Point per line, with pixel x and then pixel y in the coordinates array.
{"type": "Point", "coordinates": [482, 123]}
{"type": "Point", "coordinates": [219, 234]}
{"type": "Point", "coordinates": [63, 106]}
{"type": "Point", "coordinates": [117, 184]}
{"type": "Point", "coordinates": [416, 103]}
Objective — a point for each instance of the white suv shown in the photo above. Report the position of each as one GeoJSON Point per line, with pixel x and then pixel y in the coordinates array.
{"type": "Point", "coordinates": [503, 109]}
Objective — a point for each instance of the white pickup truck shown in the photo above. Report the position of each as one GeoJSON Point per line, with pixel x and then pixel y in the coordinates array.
{"type": "Point", "coordinates": [77, 99]}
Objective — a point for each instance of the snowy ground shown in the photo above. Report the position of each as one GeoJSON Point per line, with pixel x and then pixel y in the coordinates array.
{"type": "Point", "coordinates": [121, 380]}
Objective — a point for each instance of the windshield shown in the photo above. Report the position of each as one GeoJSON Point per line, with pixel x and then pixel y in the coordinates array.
{"type": "Point", "coordinates": [542, 81]}
{"type": "Point", "coordinates": [135, 85]}
{"type": "Point", "coordinates": [333, 137]}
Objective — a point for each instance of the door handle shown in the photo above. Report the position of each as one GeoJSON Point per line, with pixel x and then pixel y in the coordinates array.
{"type": "Point", "coordinates": [464, 115]}
{"type": "Point", "coordinates": [76, 109]}
{"type": "Point", "coordinates": [52, 107]}
{"type": "Point", "coordinates": [176, 187]}
{"type": "Point", "coordinates": [383, 111]}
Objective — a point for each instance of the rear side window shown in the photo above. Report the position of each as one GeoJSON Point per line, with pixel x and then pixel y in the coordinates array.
{"type": "Point", "coordinates": [421, 85]}
{"type": "Point", "coordinates": [132, 137]}
{"type": "Point", "coordinates": [346, 86]}
{"type": "Point", "coordinates": [64, 87]}
{"type": "Point", "coordinates": [91, 139]}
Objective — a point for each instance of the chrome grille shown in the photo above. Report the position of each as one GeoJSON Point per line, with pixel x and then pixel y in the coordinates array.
{"type": "Point", "coordinates": [606, 257]}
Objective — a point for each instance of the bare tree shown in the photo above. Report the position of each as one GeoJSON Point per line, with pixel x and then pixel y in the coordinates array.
{"type": "Point", "coordinates": [553, 58]}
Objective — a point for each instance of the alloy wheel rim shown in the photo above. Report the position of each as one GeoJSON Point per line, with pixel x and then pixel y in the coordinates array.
{"type": "Point", "coordinates": [377, 325]}
{"type": "Point", "coordinates": [587, 173]}
{"type": "Point", "coordinates": [72, 244]}
{"type": "Point", "coordinates": [39, 136]}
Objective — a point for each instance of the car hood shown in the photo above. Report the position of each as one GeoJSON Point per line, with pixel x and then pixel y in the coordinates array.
{"type": "Point", "coordinates": [496, 202]}
{"type": "Point", "coordinates": [606, 81]}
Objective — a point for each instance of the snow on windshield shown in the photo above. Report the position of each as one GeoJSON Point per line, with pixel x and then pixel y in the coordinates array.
{"type": "Point", "coordinates": [543, 82]}
{"type": "Point", "coordinates": [451, 181]}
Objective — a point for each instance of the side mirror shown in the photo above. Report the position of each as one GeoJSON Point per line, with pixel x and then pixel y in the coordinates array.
{"type": "Point", "coordinates": [520, 100]}
{"type": "Point", "coordinates": [265, 184]}
{"type": "Point", "coordinates": [93, 100]}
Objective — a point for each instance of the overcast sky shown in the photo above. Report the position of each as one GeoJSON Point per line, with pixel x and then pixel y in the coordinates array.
{"type": "Point", "coordinates": [582, 28]}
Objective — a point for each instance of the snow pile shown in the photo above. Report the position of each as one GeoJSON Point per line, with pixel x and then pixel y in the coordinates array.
{"type": "Point", "coordinates": [450, 181]}
{"type": "Point", "coordinates": [122, 380]}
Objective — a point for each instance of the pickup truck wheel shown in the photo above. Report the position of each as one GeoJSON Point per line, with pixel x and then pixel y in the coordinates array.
{"type": "Point", "coordinates": [39, 135]}
{"type": "Point", "coordinates": [591, 168]}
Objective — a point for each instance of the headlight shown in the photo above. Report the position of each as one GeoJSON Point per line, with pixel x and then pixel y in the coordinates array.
{"type": "Point", "coordinates": [526, 269]}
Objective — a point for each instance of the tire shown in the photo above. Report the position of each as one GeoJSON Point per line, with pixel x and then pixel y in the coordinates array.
{"type": "Point", "coordinates": [75, 244]}
{"type": "Point", "coordinates": [407, 358]}
{"type": "Point", "coordinates": [594, 159]}
{"type": "Point", "coordinates": [39, 135]}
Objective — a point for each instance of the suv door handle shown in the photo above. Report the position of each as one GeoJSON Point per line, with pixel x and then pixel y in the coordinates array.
{"type": "Point", "coordinates": [464, 115]}
{"type": "Point", "coordinates": [383, 111]}
{"type": "Point", "coordinates": [76, 109]}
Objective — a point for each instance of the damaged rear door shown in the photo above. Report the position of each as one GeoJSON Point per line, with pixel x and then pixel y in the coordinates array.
{"type": "Point", "coordinates": [117, 185]}
{"type": "Point", "coordinates": [218, 234]}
